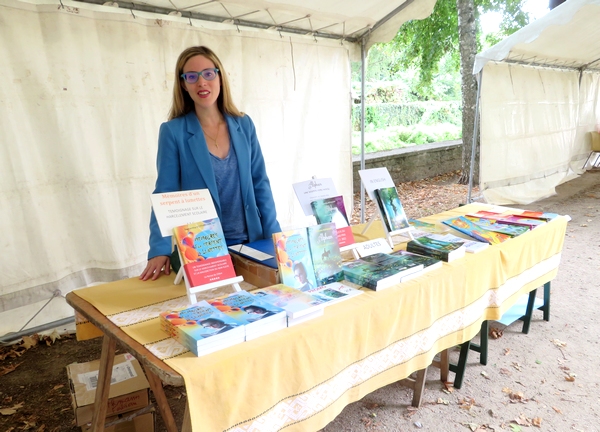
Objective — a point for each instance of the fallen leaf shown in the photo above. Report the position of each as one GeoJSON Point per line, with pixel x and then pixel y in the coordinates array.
{"type": "Point", "coordinates": [442, 401]}
{"type": "Point", "coordinates": [58, 386]}
{"type": "Point", "coordinates": [570, 378]}
{"type": "Point", "coordinates": [466, 403]}
{"type": "Point", "coordinates": [557, 410]}
{"type": "Point", "coordinates": [506, 390]}
{"type": "Point", "coordinates": [505, 371]}
{"type": "Point", "coordinates": [495, 333]}
{"type": "Point", "coordinates": [12, 410]}
{"type": "Point", "coordinates": [515, 427]}
{"type": "Point", "coordinates": [522, 420]}
{"type": "Point", "coordinates": [8, 369]}
{"type": "Point", "coordinates": [472, 426]}
{"type": "Point", "coordinates": [506, 351]}
{"type": "Point", "coordinates": [517, 366]}
{"type": "Point", "coordinates": [559, 343]}
{"type": "Point", "coordinates": [30, 341]}
{"type": "Point", "coordinates": [449, 386]}
{"type": "Point", "coordinates": [485, 375]}
{"type": "Point", "coordinates": [537, 421]}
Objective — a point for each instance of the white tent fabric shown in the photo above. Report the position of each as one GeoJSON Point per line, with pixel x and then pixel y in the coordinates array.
{"type": "Point", "coordinates": [539, 99]}
{"type": "Point", "coordinates": [85, 90]}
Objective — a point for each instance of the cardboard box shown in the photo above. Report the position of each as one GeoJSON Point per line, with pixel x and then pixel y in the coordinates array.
{"type": "Point", "coordinates": [128, 389]}
{"type": "Point", "coordinates": [141, 423]}
{"type": "Point", "coordinates": [255, 273]}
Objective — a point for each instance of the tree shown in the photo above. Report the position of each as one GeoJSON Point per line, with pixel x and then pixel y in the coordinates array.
{"type": "Point", "coordinates": [453, 31]}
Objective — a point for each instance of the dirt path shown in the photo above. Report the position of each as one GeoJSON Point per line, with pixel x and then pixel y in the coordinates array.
{"type": "Point", "coordinates": [552, 370]}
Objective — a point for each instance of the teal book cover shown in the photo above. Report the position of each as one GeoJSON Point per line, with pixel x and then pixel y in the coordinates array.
{"type": "Point", "coordinates": [295, 302]}
{"type": "Point", "coordinates": [294, 260]}
{"type": "Point", "coordinates": [492, 225]}
{"type": "Point", "coordinates": [325, 253]}
{"type": "Point", "coordinates": [245, 307]}
{"type": "Point", "coordinates": [391, 208]}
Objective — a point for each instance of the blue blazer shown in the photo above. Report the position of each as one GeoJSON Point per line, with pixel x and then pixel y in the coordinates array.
{"type": "Point", "coordinates": [183, 163]}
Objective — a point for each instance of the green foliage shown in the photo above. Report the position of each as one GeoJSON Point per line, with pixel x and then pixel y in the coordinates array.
{"type": "Point", "coordinates": [378, 116]}
{"type": "Point", "coordinates": [424, 43]}
{"type": "Point", "coordinates": [396, 137]}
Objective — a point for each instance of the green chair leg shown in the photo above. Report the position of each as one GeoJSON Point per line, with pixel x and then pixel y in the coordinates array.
{"type": "Point", "coordinates": [481, 348]}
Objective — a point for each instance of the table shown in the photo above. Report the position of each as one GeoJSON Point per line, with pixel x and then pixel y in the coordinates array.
{"type": "Point", "coordinates": [302, 377]}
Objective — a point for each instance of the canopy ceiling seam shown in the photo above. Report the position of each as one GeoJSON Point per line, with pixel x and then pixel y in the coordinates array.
{"type": "Point", "coordinates": [283, 27]}
{"type": "Point", "coordinates": [547, 66]}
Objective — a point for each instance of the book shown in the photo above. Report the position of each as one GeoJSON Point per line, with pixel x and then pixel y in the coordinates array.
{"type": "Point", "coordinates": [332, 209]}
{"type": "Point", "coordinates": [503, 228]}
{"type": "Point", "coordinates": [203, 252]}
{"type": "Point", "coordinates": [256, 315]}
{"type": "Point", "coordinates": [471, 246]}
{"type": "Point", "coordinates": [442, 250]}
{"type": "Point", "coordinates": [499, 218]}
{"type": "Point", "coordinates": [298, 305]}
{"type": "Point", "coordinates": [538, 215]}
{"type": "Point", "coordinates": [429, 263]}
{"type": "Point", "coordinates": [421, 226]}
{"type": "Point", "coordinates": [370, 275]}
{"type": "Point", "coordinates": [391, 209]}
{"type": "Point", "coordinates": [400, 264]}
{"type": "Point", "coordinates": [260, 251]}
{"type": "Point", "coordinates": [334, 292]}
{"type": "Point", "coordinates": [469, 228]}
{"type": "Point", "coordinates": [201, 328]}
{"type": "Point", "coordinates": [308, 257]}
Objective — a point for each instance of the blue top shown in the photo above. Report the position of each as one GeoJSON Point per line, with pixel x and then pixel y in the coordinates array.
{"type": "Point", "coordinates": [183, 163]}
{"type": "Point", "coordinates": [228, 184]}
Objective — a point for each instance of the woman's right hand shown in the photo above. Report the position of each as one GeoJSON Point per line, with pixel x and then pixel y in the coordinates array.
{"type": "Point", "coordinates": [155, 266]}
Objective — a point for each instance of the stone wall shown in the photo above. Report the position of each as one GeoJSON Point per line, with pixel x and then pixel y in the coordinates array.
{"type": "Point", "coordinates": [413, 163]}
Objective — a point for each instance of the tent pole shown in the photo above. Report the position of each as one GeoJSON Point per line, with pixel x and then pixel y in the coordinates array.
{"type": "Point", "coordinates": [475, 130]}
{"type": "Point", "coordinates": [362, 125]}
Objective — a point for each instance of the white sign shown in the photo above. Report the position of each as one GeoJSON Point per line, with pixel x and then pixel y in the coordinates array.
{"type": "Point", "coordinates": [375, 178]}
{"type": "Point", "coordinates": [173, 209]}
{"type": "Point", "coordinates": [312, 190]}
{"type": "Point", "coordinates": [371, 247]}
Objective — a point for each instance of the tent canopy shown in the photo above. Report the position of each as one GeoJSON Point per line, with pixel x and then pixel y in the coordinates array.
{"type": "Point", "coordinates": [89, 86]}
{"type": "Point", "coordinates": [539, 101]}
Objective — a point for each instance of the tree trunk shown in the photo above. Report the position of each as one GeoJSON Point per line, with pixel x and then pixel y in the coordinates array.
{"type": "Point", "coordinates": [467, 34]}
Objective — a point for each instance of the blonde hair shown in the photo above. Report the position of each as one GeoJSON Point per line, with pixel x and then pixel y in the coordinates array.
{"type": "Point", "coordinates": [183, 103]}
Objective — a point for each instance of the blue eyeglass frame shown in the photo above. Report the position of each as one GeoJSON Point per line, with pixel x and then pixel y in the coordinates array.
{"type": "Point", "coordinates": [200, 74]}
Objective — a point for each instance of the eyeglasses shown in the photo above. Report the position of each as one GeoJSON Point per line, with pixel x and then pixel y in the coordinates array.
{"type": "Point", "coordinates": [192, 77]}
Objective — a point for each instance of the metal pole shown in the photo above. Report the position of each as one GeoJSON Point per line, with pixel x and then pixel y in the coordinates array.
{"type": "Point", "coordinates": [362, 125]}
{"type": "Point", "coordinates": [475, 129]}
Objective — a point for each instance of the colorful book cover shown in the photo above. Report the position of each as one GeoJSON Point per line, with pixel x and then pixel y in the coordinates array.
{"type": "Point", "coordinates": [538, 215]}
{"type": "Point", "coordinates": [391, 208]}
{"type": "Point", "coordinates": [520, 220]}
{"type": "Point", "coordinates": [429, 263]}
{"type": "Point", "coordinates": [325, 253]}
{"type": "Point", "coordinates": [471, 246]}
{"type": "Point", "coordinates": [400, 264]}
{"type": "Point", "coordinates": [445, 251]}
{"type": "Point", "coordinates": [294, 260]}
{"type": "Point", "coordinates": [370, 275]}
{"type": "Point", "coordinates": [334, 293]}
{"type": "Point", "coordinates": [493, 225]}
{"type": "Point", "coordinates": [467, 227]}
{"type": "Point", "coordinates": [203, 252]}
{"type": "Point", "coordinates": [426, 226]}
{"type": "Point", "coordinates": [296, 303]}
{"type": "Point", "coordinates": [252, 311]}
{"type": "Point", "coordinates": [201, 327]}
{"type": "Point", "coordinates": [332, 209]}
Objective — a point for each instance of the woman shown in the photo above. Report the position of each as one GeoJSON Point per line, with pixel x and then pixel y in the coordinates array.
{"type": "Point", "coordinates": [208, 144]}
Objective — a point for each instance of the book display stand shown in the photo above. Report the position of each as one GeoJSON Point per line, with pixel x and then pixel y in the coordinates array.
{"type": "Point", "coordinates": [192, 291]}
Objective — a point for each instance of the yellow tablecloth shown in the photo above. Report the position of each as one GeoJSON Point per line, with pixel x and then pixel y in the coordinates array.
{"type": "Point", "coordinates": [301, 377]}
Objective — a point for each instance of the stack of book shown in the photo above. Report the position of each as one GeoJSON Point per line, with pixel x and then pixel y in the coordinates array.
{"type": "Point", "coordinates": [380, 270]}
{"type": "Point", "coordinates": [256, 315]}
{"type": "Point", "coordinates": [299, 306]}
{"type": "Point", "coordinates": [439, 249]}
{"type": "Point", "coordinates": [202, 328]}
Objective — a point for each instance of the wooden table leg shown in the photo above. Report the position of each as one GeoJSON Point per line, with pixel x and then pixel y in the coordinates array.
{"type": "Point", "coordinates": [419, 387]}
{"type": "Point", "coordinates": [107, 359]}
{"type": "Point", "coordinates": [187, 421]}
{"type": "Point", "coordinates": [161, 400]}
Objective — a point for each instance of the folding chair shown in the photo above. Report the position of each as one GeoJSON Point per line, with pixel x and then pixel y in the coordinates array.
{"type": "Point", "coordinates": [595, 138]}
